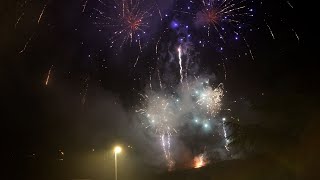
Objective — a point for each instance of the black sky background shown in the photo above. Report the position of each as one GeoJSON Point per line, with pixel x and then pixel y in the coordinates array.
{"type": "Point", "coordinates": [39, 118]}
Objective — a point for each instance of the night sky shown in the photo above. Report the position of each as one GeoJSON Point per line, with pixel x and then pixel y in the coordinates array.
{"type": "Point", "coordinates": [90, 100]}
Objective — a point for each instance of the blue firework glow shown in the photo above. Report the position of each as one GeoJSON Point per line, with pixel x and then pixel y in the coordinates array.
{"type": "Point", "coordinates": [216, 23]}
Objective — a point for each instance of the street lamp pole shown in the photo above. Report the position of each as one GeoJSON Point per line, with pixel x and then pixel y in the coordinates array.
{"type": "Point", "coordinates": [115, 166]}
{"type": "Point", "coordinates": [117, 150]}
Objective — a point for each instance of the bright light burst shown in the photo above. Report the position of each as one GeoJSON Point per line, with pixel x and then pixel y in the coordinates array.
{"type": "Point", "coordinates": [200, 161]}
{"type": "Point", "coordinates": [128, 21]}
{"type": "Point", "coordinates": [165, 113]}
{"type": "Point", "coordinates": [209, 99]}
{"type": "Point", "coordinates": [161, 113]}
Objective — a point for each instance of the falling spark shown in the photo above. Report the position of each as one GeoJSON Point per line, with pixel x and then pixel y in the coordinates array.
{"type": "Point", "coordinates": [41, 14]}
{"type": "Point", "coordinates": [160, 114]}
{"type": "Point", "coordinates": [48, 76]}
{"type": "Point", "coordinates": [160, 14]}
{"type": "Point", "coordinates": [84, 97]}
{"type": "Point", "coordinates": [160, 83]}
{"type": "Point", "coordinates": [157, 45]}
{"type": "Point", "coordinates": [140, 47]}
{"type": "Point", "coordinates": [271, 31]}
{"type": "Point", "coordinates": [84, 6]}
{"type": "Point", "coordinates": [15, 26]}
{"type": "Point", "coordinates": [225, 71]}
{"type": "Point", "coordinates": [27, 43]}
{"type": "Point", "coordinates": [166, 150]}
{"type": "Point", "coordinates": [225, 134]}
{"type": "Point", "coordinates": [150, 78]}
{"type": "Point", "coordinates": [180, 63]}
{"type": "Point", "coordinates": [296, 34]}
{"type": "Point", "coordinates": [289, 4]}
{"type": "Point", "coordinates": [164, 146]}
{"type": "Point", "coordinates": [249, 48]}
{"type": "Point", "coordinates": [136, 61]}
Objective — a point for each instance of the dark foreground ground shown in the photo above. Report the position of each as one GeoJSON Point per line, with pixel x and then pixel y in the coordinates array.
{"type": "Point", "coordinates": [258, 168]}
{"type": "Point", "coordinates": [300, 161]}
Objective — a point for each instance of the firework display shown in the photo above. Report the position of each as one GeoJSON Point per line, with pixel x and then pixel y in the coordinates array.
{"type": "Point", "coordinates": [165, 39]}
{"type": "Point", "coordinates": [164, 112]}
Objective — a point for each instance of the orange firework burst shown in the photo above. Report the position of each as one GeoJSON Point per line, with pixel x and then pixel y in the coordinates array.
{"type": "Point", "coordinates": [127, 20]}
{"type": "Point", "coordinates": [215, 16]}
{"type": "Point", "coordinates": [207, 17]}
{"type": "Point", "coordinates": [200, 161]}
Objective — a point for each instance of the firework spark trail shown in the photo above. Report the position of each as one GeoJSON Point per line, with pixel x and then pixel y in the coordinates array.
{"type": "Point", "coordinates": [140, 47]}
{"type": "Point", "coordinates": [288, 2]}
{"type": "Point", "coordinates": [48, 76]}
{"type": "Point", "coordinates": [84, 94]}
{"type": "Point", "coordinates": [225, 70]}
{"type": "Point", "coordinates": [136, 62]}
{"type": "Point", "coordinates": [180, 63]}
{"type": "Point", "coordinates": [24, 3]}
{"type": "Point", "coordinates": [165, 140]}
{"type": "Point", "coordinates": [225, 134]}
{"type": "Point", "coordinates": [41, 14]}
{"type": "Point", "coordinates": [187, 70]}
{"type": "Point", "coordinates": [160, 113]}
{"type": "Point", "coordinates": [249, 48]}
{"type": "Point", "coordinates": [160, 14]}
{"type": "Point", "coordinates": [158, 45]}
{"type": "Point", "coordinates": [160, 82]}
{"type": "Point", "coordinates": [270, 30]}
{"type": "Point", "coordinates": [15, 25]}
{"type": "Point", "coordinates": [150, 78]}
{"type": "Point", "coordinates": [164, 146]}
{"type": "Point", "coordinates": [184, 12]}
{"type": "Point", "coordinates": [84, 5]}
{"type": "Point", "coordinates": [296, 34]}
{"type": "Point", "coordinates": [26, 44]}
